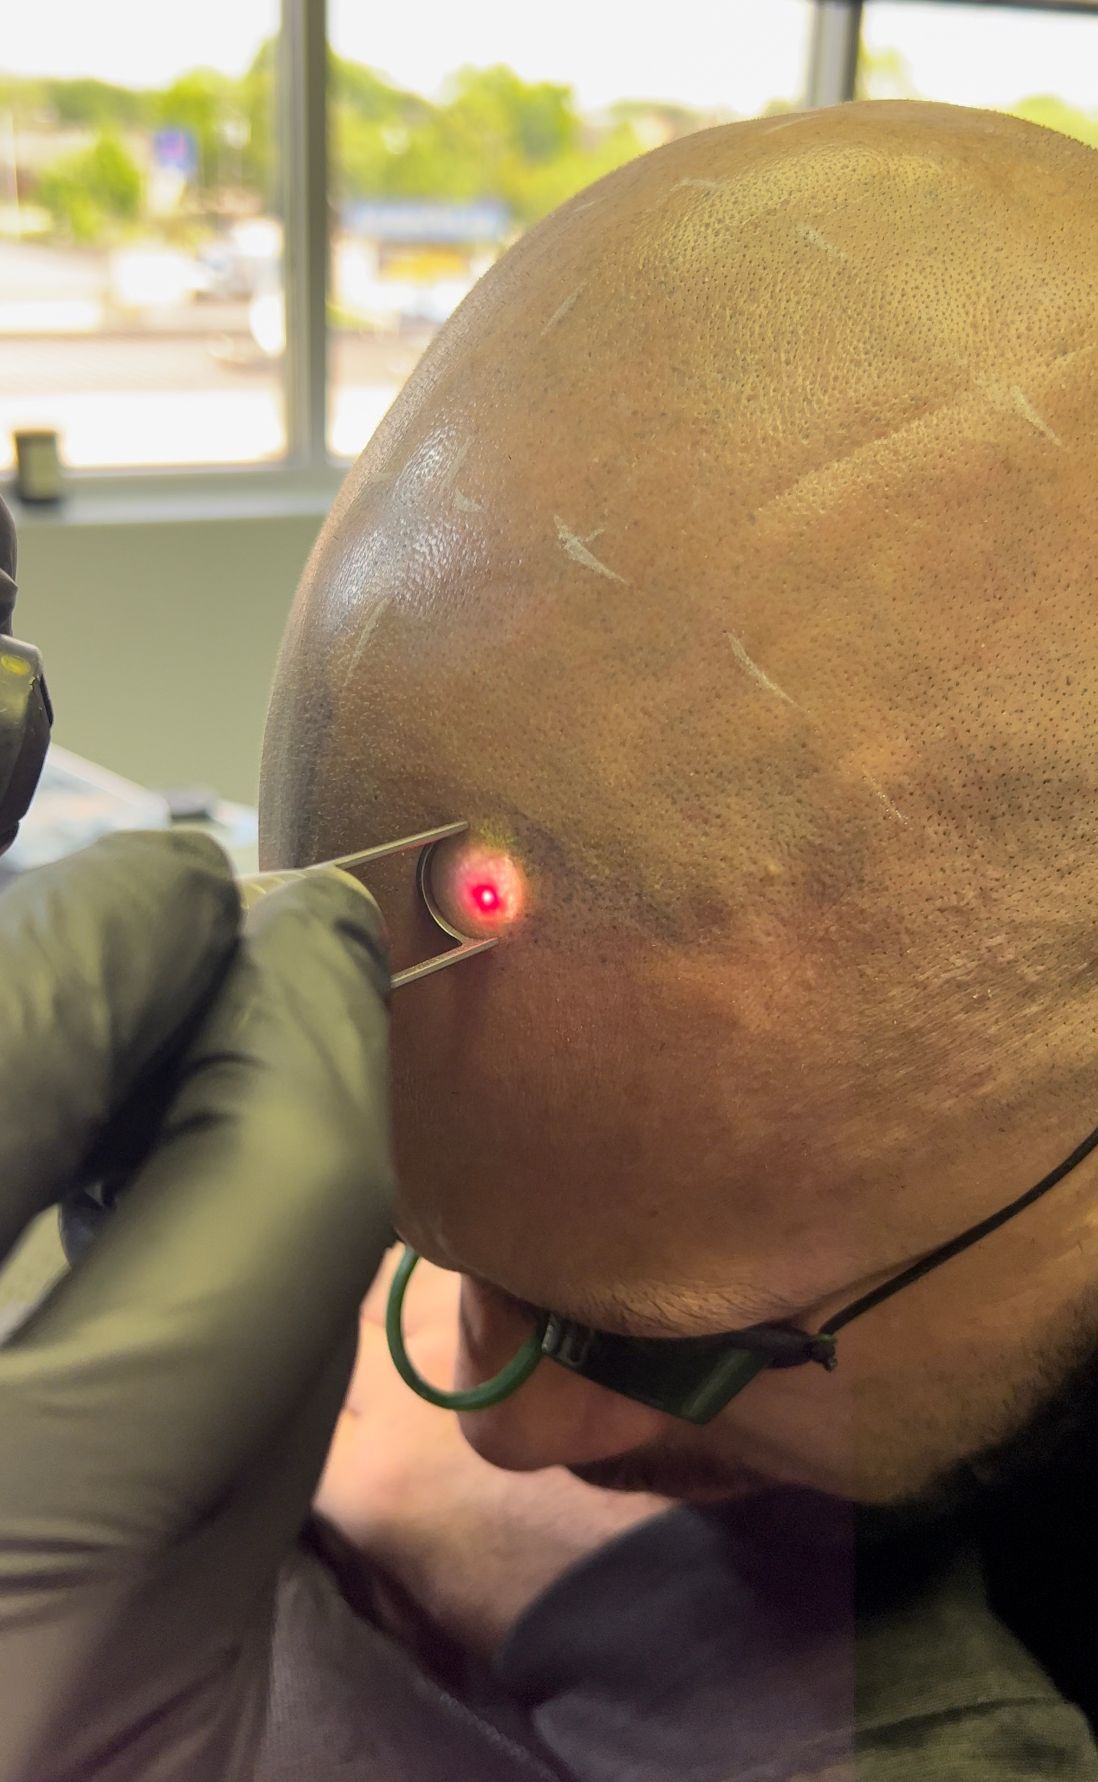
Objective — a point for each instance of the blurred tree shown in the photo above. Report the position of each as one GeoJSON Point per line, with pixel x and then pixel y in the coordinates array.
{"type": "Point", "coordinates": [493, 136]}
{"type": "Point", "coordinates": [24, 98]}
{"type": "Point", "coordinates": [676, 120]}
{"type": "Point", "coordinates": [100, 104]}
{"type": "Point", "coordinates": [1057, 114]}
{"type": "Point", "coordinates": [257, 95]}
{"type": "Point", "coordinates": [882, 74]}
{"type": "Point", "coordinates": [200, 101]}
{"type": "Point", "coordinates": [542, 188]}
{"type": "Point", "coordinates": [371, 122]}
{"type": "Point", "coordinates": [91, 193]}
{"type": "Point", "coordinates": [368, 95]}
{"type": "Point", "coordinates": [494, 108]}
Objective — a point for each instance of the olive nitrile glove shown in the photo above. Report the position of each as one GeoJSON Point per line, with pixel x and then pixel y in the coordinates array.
{"type": "Point", "coordinates": [165, 1412]}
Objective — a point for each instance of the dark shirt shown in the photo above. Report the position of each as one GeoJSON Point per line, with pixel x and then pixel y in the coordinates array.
{"type": "Point", "coordinates": [776, 1639]}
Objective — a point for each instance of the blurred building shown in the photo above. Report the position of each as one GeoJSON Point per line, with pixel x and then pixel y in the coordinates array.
{"type": "Point", "coordinates": [397, 260]}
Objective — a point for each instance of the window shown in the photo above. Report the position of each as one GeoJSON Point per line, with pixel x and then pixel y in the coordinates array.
{"type": "Point", "coordinates": [1037, 64]}
{"type": "Point", "coordinates": [162, 215]}
{"type": "Point", "coordinates": [448, 141]}
{"type": "Point", "coordinates": [140, 235]}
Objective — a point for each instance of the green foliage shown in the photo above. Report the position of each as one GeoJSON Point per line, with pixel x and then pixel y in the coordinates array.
{"type": "Point", "coordinates": [883, 74]}
{"type": "Point", "coordinates": [90, 193]}
{"type": "Point", "coordinates": [494, 135]}
{"type": "Point", "coordinates": [886, 75]}
{"type": "Point", "coordinates": [495, 110]}
{"type": "Point", "coordinates": [202, 102]}
{"type": "Point", "coordinates": [543, 188]}
{"type": "Point", "coordinates": [24, 97]}
{"type": "Point", "coordinates": [368, 95]}
{"type": "Point", "coordinates": [1056, 114]}
{"type": "Point", "coordinates": [257, 97]}
{"type": "Point", "coordinates": [98, 104]}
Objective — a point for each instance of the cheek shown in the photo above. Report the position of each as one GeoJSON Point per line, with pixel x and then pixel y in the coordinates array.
{"type": "Point", "coordinates": [540, 1136]}
{"type": "Point", "coordinates": [911, 1396]}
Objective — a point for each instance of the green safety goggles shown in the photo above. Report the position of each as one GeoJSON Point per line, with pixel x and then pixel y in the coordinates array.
{"type": "Point", "coordinates": [688, 1377]}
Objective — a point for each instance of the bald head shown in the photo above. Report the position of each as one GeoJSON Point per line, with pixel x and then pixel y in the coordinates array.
{"type": "Point", "coordinates": [721, 522]}
{"type": "Point", "coordinates": [729, 560]}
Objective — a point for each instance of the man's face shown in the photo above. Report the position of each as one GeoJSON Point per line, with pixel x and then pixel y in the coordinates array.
{"type": "Point", "coordinates": [729, 1067]}
{"type": "Point", "coordinates": [770, 677]}
{"type": "Point", "coordinates": [633, 1142]}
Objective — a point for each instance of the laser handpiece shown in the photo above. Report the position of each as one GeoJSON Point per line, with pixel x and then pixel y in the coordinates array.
{"type": "Point", "coordinates": [132, 1131]}
{"type": "Point", "coordinates": [256, 885]}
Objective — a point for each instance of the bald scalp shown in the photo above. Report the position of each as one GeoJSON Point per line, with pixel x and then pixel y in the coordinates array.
{"type": "Point", "coordinates": [730, 557]}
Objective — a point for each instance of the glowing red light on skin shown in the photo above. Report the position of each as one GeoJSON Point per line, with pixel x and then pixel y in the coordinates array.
{"type": "Point", "coordinates": [480, 889]}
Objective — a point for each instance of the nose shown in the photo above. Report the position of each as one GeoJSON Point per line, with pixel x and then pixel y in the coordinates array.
{"type": "Point", "coordinates": [557, 1418]}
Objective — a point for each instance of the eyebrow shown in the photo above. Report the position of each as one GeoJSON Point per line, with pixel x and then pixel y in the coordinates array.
{"type": "Point", "coordinates": [662, 1312]}
{"type": "Point", "coordinates": [662, 1315]}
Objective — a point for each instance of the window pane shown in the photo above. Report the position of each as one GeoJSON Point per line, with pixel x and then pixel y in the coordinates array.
{"type": "Point", "coordinates": [140, 238]}
{"type": "Point", "coordinates": [1037, 65]}
{"type": "Point", "coordinates": [450, 137]}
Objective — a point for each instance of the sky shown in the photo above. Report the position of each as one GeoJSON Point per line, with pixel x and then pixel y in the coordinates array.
{"type": "Point", "coordinates": [726, 55]}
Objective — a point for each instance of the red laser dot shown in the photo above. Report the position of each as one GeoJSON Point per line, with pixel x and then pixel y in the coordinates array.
{"type": "Point", "coordinates": [486, 898]}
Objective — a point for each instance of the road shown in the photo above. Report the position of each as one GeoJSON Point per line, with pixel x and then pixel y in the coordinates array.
{"type": "Point", "coordinates": [186, 399]}
{"type": "Point", "coordinates": [34, 365]}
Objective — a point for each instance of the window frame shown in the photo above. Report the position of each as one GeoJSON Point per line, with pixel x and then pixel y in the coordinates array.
{"type": "Point", "coordinates": [305, 480]}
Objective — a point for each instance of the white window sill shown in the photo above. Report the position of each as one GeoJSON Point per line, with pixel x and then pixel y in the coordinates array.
{"type": "Point", "coordinates": [148, 497]}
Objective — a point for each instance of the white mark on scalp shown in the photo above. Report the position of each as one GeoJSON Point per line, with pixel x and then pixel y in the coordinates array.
{"type": "Point", "coordinates": [465, 503]}
{"type": "Point", "coordinates": [809, 234]}
{"type": "Point", "coordinates": [706, 185]}
{"type": "Point", "coordinates": [562, 309]}
{"type": "Point", "coordinates": [760, 676]}
{"type": "Point", "coordinates": [1013, 396]}
{"type": "Point", "coordinates": [432, 469]}
{"type": "Point", "coordinates": [1023, 405]}
{"type": "Point", "coordinates": [756, 673]}
{"type": "Point", "coordinates": [576, 548]}
{"type": "Point", "coordinates": [880, 793]}
{"type": "Point", "coordinates": [363, 638]}
{"type": "Point", "coordinates": [450, 470]}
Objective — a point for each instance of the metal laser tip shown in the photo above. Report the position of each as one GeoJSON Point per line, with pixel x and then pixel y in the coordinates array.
{"type": "Point", "coordinates": [426, 842]}
{"type": "Point", "coordinates": [423, 878]}
{"type": "Point", "coordinates": [426, 839]}
{"type": "Point", "coordinates": [441, 960]}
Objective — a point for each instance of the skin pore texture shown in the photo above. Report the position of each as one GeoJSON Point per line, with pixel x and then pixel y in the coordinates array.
{"type": "Point", "coordinates": [729, 562]}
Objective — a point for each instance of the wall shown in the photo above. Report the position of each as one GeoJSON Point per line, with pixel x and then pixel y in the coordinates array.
{"type": "Point", "coordinates": [159, 640]}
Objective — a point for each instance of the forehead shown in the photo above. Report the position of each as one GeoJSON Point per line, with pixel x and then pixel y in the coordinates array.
{"type": "Point", "coordinates": [678, 637]}
{"type": "Point", "coordinates": [607, 1100]}
{"type": "Point", "coordinates": [590, 1130]}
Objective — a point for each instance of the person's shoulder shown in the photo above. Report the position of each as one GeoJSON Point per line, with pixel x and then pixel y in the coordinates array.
{"type": "Point", "coordinates": [943, 1685]}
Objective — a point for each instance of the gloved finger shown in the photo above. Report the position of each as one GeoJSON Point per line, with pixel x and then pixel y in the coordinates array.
{"type": "Point", "coordinates": [106, 955]}
{"type": "Point", "coordinates": [194, 1625]}
{"type": "Point", "coordinates": [237, 1259]}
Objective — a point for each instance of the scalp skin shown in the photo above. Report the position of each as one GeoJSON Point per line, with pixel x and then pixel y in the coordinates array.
{"type": "Point", "coordinates": [729, 560]}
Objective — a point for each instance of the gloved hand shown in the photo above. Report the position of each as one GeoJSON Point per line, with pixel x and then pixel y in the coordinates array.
{"type": "Point", "coordinates": [165, 1413]}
